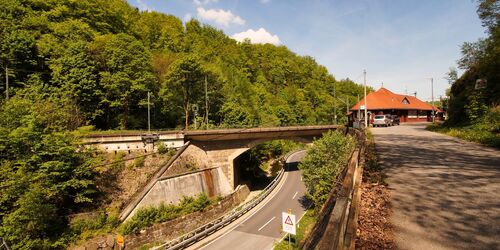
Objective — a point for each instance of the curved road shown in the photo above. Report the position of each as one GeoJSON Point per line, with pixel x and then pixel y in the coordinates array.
{"type": "Point", "coordinates": [261, 228]}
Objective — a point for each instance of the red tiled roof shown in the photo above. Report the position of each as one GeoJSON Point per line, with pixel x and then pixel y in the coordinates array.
{"type": "Point", "coordinates": [385, 99]}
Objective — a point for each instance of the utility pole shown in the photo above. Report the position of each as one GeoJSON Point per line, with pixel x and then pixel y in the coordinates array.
{"type": "Point", "coordinates": [6, 83]}
{"type": "Point", "coordinates": [334, 105]}
{"type": "Point", "coordinates": [347, 105]}
{"type": "Point", "coordinates": [149, 115]}
{"type": "Point", "coordinates": [206, 101]}
{"type": "Point", "coordinates": [432, 96]}
{"type": "Point", "coordinates": [366, 107]}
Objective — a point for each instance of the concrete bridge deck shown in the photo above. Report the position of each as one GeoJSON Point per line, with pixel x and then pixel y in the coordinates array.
{"type": "Point", "coordinates": [175, 139]}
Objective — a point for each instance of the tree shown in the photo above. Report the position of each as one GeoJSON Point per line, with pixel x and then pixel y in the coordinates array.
{"type": "Point", "coordinates": [125, 73]}
{"type": "Point", "coordinates": [186, 79]}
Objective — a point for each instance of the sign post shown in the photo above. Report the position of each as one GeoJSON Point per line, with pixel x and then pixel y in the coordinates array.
{"type": "Point", "coordinates": [288, 223]}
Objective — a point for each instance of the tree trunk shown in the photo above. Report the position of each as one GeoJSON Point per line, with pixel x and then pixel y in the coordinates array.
{"type": "Point", "coordinates": [186, 110]}
{"type": "Point", "coordinates": [125, 114]}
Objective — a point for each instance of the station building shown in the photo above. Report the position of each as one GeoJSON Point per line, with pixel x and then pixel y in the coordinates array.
{"type": "Point", "coordinates": [383, 101]}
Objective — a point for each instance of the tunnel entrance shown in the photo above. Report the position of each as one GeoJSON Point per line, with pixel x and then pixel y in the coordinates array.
{"type": "Point", "coordinates": [258, 166]}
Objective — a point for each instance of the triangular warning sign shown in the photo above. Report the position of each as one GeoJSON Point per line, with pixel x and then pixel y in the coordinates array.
{"type": "Point", "coordinates": [288, 221]}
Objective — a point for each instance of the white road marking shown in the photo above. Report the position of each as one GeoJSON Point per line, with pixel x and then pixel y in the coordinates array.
{"type": "Point", "coordinates": [295, 195]}
{"type": "Point", "coordinates": [267, 223]}
{"type": "Point", "coordinates": [269, 198]}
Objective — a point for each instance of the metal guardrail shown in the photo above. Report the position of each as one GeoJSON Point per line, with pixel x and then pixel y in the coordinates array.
{"type": "Point", "coordinates": [3, 244]}
{"type": "Point", "coordinates": [213, 226]}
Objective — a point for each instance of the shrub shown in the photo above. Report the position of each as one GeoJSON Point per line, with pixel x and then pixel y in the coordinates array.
{"type": "Point", "coordinates": [145, 217]}
{"type": "Point", "coordinates": [162, 149]}
{"type": "Point", "coordinates": [139, 162]}
{"type": "Point", "coordinates": [324, 162]}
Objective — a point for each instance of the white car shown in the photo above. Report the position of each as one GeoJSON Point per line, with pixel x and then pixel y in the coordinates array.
{"type": "Point", "coordinates": [382, 120]}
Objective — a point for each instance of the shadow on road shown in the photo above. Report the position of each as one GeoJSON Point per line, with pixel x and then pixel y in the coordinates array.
{"type": "Point", "coordinates": [450, 189]}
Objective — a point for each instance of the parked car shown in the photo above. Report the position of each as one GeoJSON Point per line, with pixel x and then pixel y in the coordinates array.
{"type": "Point", "coordinates": [395, 120]}
{"type": "Point", "coordinates": [382, 120]}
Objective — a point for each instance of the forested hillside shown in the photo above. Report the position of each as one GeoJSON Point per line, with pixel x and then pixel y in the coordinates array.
{"type": "Point", "coordinates": [98, 59]}
{"type": "Point", "coordinates": [474, 104]}
{"type": "Point", "coordinates": [71, 63]}
{"type": "Point", "coordinates": [480, 61]}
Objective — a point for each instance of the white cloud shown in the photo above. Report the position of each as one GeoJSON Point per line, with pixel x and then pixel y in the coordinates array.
{"type": "Point", "coordinates": [143, 6]}
{"type": "Point", "coordinates": [204, 2]}
{"type": "Point", "coordinates": [257, 36]}
{"type": "Point", "coordinates": [219, 16]}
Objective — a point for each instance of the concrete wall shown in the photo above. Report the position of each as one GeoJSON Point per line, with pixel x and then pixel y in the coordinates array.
{"type": "Point", "coordinates": [171, 190]}
{"type": "Point", "coordinates": [112, 143]}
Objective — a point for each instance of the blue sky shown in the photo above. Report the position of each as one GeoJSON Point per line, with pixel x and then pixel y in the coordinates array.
{"type": "Point", "coordinates": [401, 43]}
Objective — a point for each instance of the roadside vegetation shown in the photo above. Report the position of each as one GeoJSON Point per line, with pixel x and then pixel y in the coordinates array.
{"type": "Point", "coordinates": [265, 158]}
{"type": "Point", "coordinates": [321, 168]}
{"type": "Point", "coordinates": [474, 97]}
{"type": "Point", "coordinates": [323, 164]}
{"type": "Point", "coordinates": [146, 217]}
{"type": "Point", "coordinates": [485, 130]}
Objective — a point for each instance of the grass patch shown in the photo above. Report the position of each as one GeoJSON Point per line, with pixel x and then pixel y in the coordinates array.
{"type": "Point", "coordinates": [139, 162]}
{"type": "Point", "coordinates": [86, 228]}
{"type": "Point", "coordinates": [480, 133]}
{"type": "Point", "coordinates": [304, 227]}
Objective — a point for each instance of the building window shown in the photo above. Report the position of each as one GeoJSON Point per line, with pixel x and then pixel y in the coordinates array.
{"type": "Point", "coordinates": [412, 114]}
{"type": "Point", "coordinates": [422, 113]}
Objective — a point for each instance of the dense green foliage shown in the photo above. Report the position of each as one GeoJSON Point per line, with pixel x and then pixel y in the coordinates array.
{"type": "Point", "coordinates": [259, 157]}
{"type": "Point", "coordinates": [104, 56]}
{"type": "Point", "coordinates": [145, 217]}
{"type": "Point", "coordinates": [324, 162]}
{"type": "Point", "coordinates": [91, 63]}
{"type": "Point", "coordinates": [44, 176]}
{"type": "Point", "coordinates": [480, 60]}
{"type": "Point", "coordinates": [485, 130]}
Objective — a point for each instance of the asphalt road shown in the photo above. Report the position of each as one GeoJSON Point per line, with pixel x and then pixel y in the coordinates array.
{"type": "Point", "coordinates": [263, 227]}
{"type": "Point", "coordinates": [445, 192]}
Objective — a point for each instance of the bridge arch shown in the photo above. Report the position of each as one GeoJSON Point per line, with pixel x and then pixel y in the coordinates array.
{"type": "Point", "coordinates": [222, 147]}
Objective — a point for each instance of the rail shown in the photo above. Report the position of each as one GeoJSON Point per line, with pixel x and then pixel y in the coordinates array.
{"type": "Point", "coordinates": [337, 223]}
{"type": "Point", "coordinates": [213, 226]}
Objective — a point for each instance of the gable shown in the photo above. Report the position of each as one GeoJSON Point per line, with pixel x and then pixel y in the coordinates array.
{"type": "Point", "coordinates": [405, 101]}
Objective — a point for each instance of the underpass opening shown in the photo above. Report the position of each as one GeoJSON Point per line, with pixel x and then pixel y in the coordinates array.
{"type": "Point", "coordinates": [259, 165]}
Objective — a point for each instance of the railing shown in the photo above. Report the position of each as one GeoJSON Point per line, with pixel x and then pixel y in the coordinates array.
{"type": "Point", "coordinates": [113, 133]}
{"type": "Point", "coordinates": [3, 244]}
{"type": "Point", "coordinates": [213, 226]}
{"type": "Point", "coordinates": [337, 223]}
